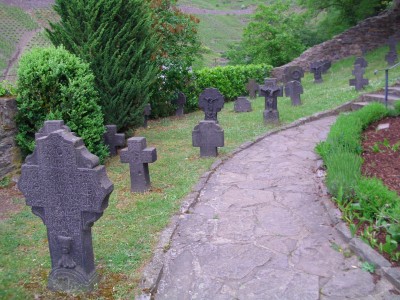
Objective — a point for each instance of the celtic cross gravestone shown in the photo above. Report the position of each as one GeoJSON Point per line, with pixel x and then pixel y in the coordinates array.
{"type": "Point", "coordinates": [293, 73]}
{"type": "Point", "coordinates": [113, 139]}
{"type": "Point", "coordinates": [139, 157]}
{"type": "Point", "coordinates": [271, 92]}
{"type": "Point", "coordinates": [208, 135]}
{"type": "Point", "coordinates": [391, 57]}
{"type": "Point", "coordinates": [68, 189]}
{"type": "Point", "coordinates": [293, 89]}
{"type": "Point", "coordinates": [316, 69]}
{"type": "Point", "coordinates": [252, 88]}
{"type": "Point", "coordinates": [211, 102]}
{"type": "Point", "coordinates": [358, 82]}
{"type": "Point", "coordinates": [361, 61]}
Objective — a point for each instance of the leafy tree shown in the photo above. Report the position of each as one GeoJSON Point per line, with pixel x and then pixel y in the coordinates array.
{"type": "Point", "coordinates": [52, 85]}
{"type": "Point", "coordinates": [117, 39]}
{"type": "Point", "coordinates": [179, 45]}
{"type": "Point", "coordinates": [337, 15]}
{"type": "Point", "coordinates": [269, 38]}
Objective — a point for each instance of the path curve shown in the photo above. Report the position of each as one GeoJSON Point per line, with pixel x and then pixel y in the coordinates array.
{"type": "Point", "coordinates": [260, 231]}
{"type": "Point", "coordinates": [19, 49]}
{"type": "Point", "coordinates": [202, 11]}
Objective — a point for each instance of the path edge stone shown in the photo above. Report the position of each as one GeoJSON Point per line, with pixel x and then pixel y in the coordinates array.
{"type": "Point", "coordinates": [153, 271]}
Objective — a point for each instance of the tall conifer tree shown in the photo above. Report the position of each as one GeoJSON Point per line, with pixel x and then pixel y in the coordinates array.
{"type": "Point", "coordinates": [117, 39]}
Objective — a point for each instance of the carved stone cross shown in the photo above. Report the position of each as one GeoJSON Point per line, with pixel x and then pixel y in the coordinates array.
{"type": "Point", "coordinates": [138, 157]}
{"type": "Point", "coordinates": [361, 61]}
{"type": "Point", "coordinates": [293, 73]}
{"type": "Point", "coordinates": [359, 82]}
{"type": "Point", "coordinates": [113, 139]}
{"type": "Point", "coordinates": [252, 88]}
{"type": "Point", "coordinates": [180, 101]}
{"type": "Point", "coordinates": [208, 135]}
{"type": "Point", "coordinates": [211, 102]}
{"type": "Point", "coordinates": [271, 92]}
{"type": "Point", "coordinates": [316, 69]}
{"type": "Point", "coordinates": [391, 57]}
{"type": "Point", "coordinates": [293, 89]}
{"type": "Point", "coordinates": [146, 113]}
{"type": "Point", "coordinates": [68, 189]}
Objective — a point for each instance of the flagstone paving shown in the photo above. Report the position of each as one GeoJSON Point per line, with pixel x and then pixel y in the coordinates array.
{"type": "Point", "coordinates": [259, 231]}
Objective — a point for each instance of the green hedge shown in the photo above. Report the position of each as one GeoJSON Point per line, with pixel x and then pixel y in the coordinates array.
{"type": "Point", "coordinates": [230, 81]}
{"type": "Point", "coordinates": [54, 84]}
{"type": "Point", "coordinates": [364, 200]}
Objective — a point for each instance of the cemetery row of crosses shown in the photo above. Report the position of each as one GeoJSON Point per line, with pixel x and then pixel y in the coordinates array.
{"type": "Point", "coordinates": [68, 189]}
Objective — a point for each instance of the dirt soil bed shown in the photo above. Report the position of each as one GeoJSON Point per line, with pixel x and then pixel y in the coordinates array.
{"type": "Point", "coordinates": [381, 153]}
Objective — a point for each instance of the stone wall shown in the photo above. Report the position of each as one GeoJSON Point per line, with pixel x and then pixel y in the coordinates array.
{"type": "Point", "coordinates": [368, 34]}
{"type": "Point", "coordinates": [9, 152]}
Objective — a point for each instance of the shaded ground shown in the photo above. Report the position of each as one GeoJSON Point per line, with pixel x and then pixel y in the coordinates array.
{"type": "Point", "coordinates": [382, 153]}
{"type": "Point", "coordinates": [11, 201]}
{"type": "Point", "coordinates": [29, 4]}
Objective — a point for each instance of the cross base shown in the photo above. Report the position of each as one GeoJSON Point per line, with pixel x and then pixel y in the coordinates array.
{"type": "Point", "coordinates": [271, 117]}
{"type": "Point", "coordinates": [318, 80]}
{"type": "Point", "coordinates": [140, 178]}
{"type": "Point", "coordinates": [72, 280]}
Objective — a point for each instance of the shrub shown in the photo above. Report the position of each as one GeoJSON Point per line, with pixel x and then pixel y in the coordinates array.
{"type": "Point", "coordinates": [54, 84]}
{"type": "Point", "coordinates": [230, 81]}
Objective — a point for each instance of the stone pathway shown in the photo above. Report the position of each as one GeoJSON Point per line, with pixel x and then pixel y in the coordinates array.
{"type": "Point", "coordinates": [260, 231]}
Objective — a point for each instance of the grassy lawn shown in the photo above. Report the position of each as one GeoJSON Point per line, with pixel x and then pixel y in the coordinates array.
{"type": "Point", "coordinates": [224, 4]}
{"type": "Point", "coordinates": [13, 23]}
{"type": "Point", "coordinates": [126, 234]}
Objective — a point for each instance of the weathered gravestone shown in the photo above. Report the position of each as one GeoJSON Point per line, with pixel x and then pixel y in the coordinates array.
{"type": "Point", "coordinates": [146, 113]}
{"type": "Point", "coordinates": [326, 65]}
{"type": "Point", "coordinates": [180, 101]}
{"type": "Point", "coordinates": [252, 88]}
{"type": "Point", "coordinates": [391, 57]}
{"type": "Point", "coordinates": [293, 73]}
{"type": "Point", "coordinates": [361, 61]}
{"type": "Point", "coordinates": [68, 189]}
{"type": "Point", "coordinates": [113, 139]}
{"type": "Point", "coordinates": [293, 89]}
{"type": "Point", "coordinates": [208, 135]}
{"type": "Point", "coordinates": [316, 69]}
{"type": "Point", "coordinates": [271, 92]}
{"type": "Point", "coordinates": [139, 157]}
{"type": "Point", "coordinates": [358, 82]}
{"type": "Point", "coordinates": [211, 102]}
{"type": "Point", "coordinates": [242, 104]}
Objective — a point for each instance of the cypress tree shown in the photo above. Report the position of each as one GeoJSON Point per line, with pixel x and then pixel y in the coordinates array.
{"type": "Point", "coordinates": [117, 39]}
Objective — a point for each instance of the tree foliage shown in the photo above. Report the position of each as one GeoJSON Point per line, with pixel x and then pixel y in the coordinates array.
{"type": "Point", "coordinates": [338, 15]}
{"type": "Point", "coordinates": [179, 45]}
{"type": "Point", "coordinates": [52, 85]}
{"type": "Point", "coordinates": [117, 39]}
{"type": "Point", "coordinates": [269, 38]}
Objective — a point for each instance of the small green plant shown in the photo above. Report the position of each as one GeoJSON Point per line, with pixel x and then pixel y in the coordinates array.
{"type": "Point", "coordinates": [368, 267]}
{"type": "Point", "coordinates": [375, 148]}
{"type": "Point", "coordinates": [7, 89]}
{"type": "Point", "coordinates": [5, 182]}
{"type": "Point", "coordinates": [396, 146]}
{"type": "Point", "coordinates": [386, 143]}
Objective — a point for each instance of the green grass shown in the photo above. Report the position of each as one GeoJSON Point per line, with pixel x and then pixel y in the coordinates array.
{"type": "Point", "coordinates": [125, 236]}
{"type": "Point", "coordinates": [13, 23]}
{"type": "Point", "coordinates": [222, 5]}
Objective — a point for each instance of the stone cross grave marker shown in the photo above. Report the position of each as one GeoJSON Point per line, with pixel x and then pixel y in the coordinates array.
{"type": "Point", "coordinates": [391, 57]}
{"type": "Point", "coordinates": [146, 113]}
{"type": "Point", "coordinates": [211, 102]}
{"type": "Point", "coordinates": [68, 189]}
{"type": "Point", "coordinates": [208, 135]}
{"type": "Point", "coordinates": [326, 65]}
{"type": "Point", "coordinates": [271, 92]}
{"type": "Point", "coordinates": [361, 61]}
{"type": "Point", "coordinates": [180, 101]}
{"type": "Point", "coordinates": [293, 89]}
{"type": "Point", "coordinates": [293, 73]}
{"type": "Point", "coordinates": [316, 69]}
{"type": "Point", "coordinates": [359, 82]}
{"type": "Point", "coordinates": [242, 104]}
{"type": "Point", "coordinates": [113, 139]}
{"type": "Point", "coordinates": [252, 88]}
{"type": "Point", "coordinates": [139, 157]}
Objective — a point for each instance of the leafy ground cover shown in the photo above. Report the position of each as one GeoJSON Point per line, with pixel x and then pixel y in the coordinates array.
{"type": "Point", "coordinates": [125, 236]}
